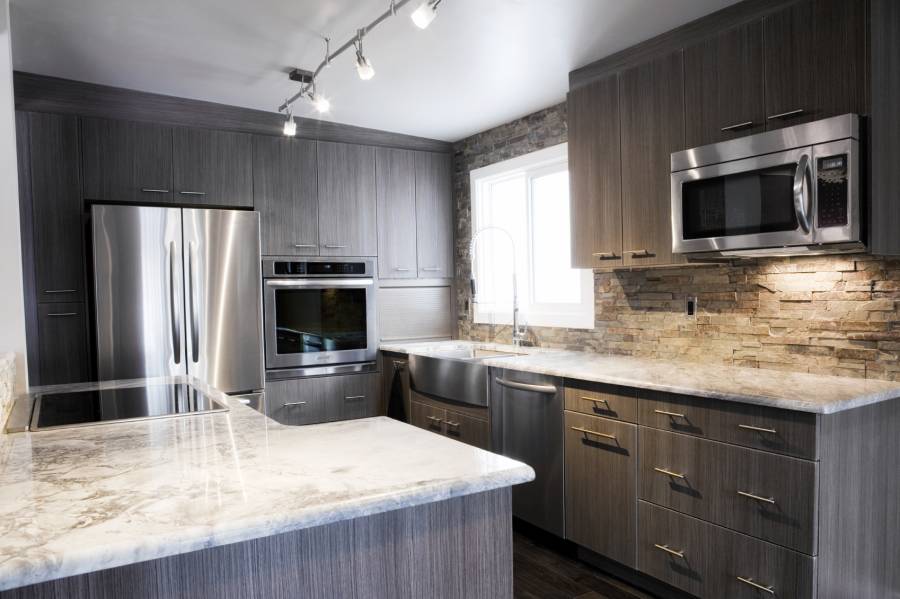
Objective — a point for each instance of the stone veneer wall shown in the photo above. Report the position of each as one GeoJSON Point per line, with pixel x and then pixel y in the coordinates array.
{"type": "Point", "coordinates": [835, 315]}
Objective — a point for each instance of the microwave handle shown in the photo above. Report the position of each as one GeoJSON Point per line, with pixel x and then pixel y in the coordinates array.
{"type": "Point", "coordinates": [802, 191]}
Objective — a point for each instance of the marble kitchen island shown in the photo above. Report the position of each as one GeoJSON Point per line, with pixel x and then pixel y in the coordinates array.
{"type": "Point", "coordinates": [232, 504]}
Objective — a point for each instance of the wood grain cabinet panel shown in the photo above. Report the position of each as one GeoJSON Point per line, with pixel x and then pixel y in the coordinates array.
{"type": "Point", "coordinates": [286, 196]}
{"type": "Point", "coordinates": [712, 562]}
{"type": "Point", "coordinates": [213, 168]}
{"type": "Point", "coordinates": [304, 401]}
{"type": "Point", "coordinates": [63, 346]}
{"type": "Point", "coordinates": [126, 161]}
{"type": "Point", "coordinates": [601, 493]}
{"type": "Point", "coordinates": [360, 397]}
{"type": "Point", "coordinates": [426, 416]}
{"type": "Point", "coordinates": [347, 203]}
{"type": "Point", "coordinates": [598, 399]}
{"type": "Point", "coordinates": [471, 431]}
{"type": "Point", "coordinates": [723, 86]}
{"type": "Point", "coordinates": [57, 209]}
{"type": "Point", "coordinates": [767, 496]}
{"type": "Point", "coordinates": [435, 220]}
{"type": "Point", "coordinates": [651, 97]}
{"type": "Point", "coordinates": [395, 188]}
{"type": "Point", "coordinates": [788, 38]}
{"type": "Point", "coordinates": [595, 174]}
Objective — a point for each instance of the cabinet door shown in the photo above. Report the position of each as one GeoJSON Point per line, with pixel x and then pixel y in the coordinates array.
{"type": "Point", "coordinates": [434, 215]}
{"type": "Point", "coordinates": [57, 211]}
{"type": "Point", "coordinates": [601, 486]}
{"type": "Point", "coordinates": [723, 86]}
{"type": "Point", "coordinates": [652, 101]}
{"type": "Point", "coordinates": [595, 167]}
{"type": "Point", "coordinates": [427, 417]}
{"type": "Point", "coordinates": [126, 161]}
{"type": "Point", "coordinates": [63, 348]}
{"type": "Point", "coordinates": [304, 401]}
{"type": "Point", "coordinates": [213, 168]}
{"type": "Point", "coordinates": [471, 431]}
{"type": "Point", "coordinates": [285, 195]}
{"type": "Point", "coordinates": [788, 37]}
{"type": "Point", "coordinates": [360, 396]}
{"type": "Point", "coordinates": [840, 59]}
{"type": "Point", "coordinates": [396, 192]}
{"type": "Point", "coordinates": [346, 200]}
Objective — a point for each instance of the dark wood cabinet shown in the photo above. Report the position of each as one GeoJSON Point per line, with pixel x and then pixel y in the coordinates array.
{"type": "Point", "coordinates": [788, 37]}
{"type": "Point", "coordinates": [213, 168]}
{"type": "Point", "coordinates": [125, 161]}
{"type": "Point", "coordinates": [323, 399]}
{"type": "Point", "coordinates": [840, 58]}
{"type": "Point", "coordinates": [57, 212]}
{"type": "Point", "coordinates": [468, 424]}
{"type": "Point", "coordinates": [63, 351]}
{"type": "Point", "coordinates": [285, 195]}
{"type": "Point", "coordinates": [468, 430]}
{"type": "Point", "coordinates": [395, 188]}
{"type": "Point", "coordinates": [723, 86]}
{"type": "Point", "coordinates": [595, 166]}
{"type": "Point", "coordinates": [347, 203]}
{"type": "Point", "coordinates": [651, 97]}
{"type": "Point", "coordinates": [434, 215]}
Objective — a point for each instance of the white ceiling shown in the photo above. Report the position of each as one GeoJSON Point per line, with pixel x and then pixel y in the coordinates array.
{"type": "Point", "coordinates": [480, 64]}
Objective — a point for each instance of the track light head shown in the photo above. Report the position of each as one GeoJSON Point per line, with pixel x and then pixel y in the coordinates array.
{"type": "Point", "coordinates": [320, 102]}
{"type": "Point", "coordinates": [290, 126]}
{"type": "Point", "coordinates": [364, 67]}
{"type": "Point", "coordinates": [425, 14]}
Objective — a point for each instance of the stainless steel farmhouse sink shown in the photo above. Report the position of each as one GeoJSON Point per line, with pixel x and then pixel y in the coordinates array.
{"type": "Point", "coordinates": [457, 374]}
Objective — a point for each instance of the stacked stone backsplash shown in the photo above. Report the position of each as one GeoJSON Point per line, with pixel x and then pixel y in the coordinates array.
{"type": "Point", "coordinates": [832, 315]}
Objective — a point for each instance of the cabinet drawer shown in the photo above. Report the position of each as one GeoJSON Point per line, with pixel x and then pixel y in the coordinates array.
{"type": "Point", "coordinates": [712, 562]}
{"type": "Point", "coordinates": [360, 396]}
{"type": "Point", "coordinates": [471, 431]}
{"type": "Point", "coordinates": [762, 494]}
{"type": "Point", "coordinates": [769, 429]}
{"type": "Point", "coordinates": [601, 474]}
{"type": "Point", "coordinates": [609, 401]}
{"type": "Point", "coordinates": [427, 417]}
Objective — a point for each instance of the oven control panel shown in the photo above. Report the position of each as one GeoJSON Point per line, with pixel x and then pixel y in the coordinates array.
{"type": "Point", "coordinates": [832, 189]}
{"type": "Point", "coordinates": [307, 268]}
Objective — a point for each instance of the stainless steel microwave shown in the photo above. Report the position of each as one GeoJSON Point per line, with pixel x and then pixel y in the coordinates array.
{"type": "Point", "coordinates": [790, 191]}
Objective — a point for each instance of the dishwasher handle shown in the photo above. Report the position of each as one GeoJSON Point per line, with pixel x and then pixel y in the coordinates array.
{"type": "Point", "coordinates": [548, 389]}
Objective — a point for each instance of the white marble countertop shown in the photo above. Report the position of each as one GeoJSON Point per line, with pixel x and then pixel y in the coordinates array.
{"type": "Point", "coordinates": [83, 499]}
{"type": "Point", "coordinates": [821, 394]}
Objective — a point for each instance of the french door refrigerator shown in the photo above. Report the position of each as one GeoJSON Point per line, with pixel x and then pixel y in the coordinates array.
{"type": "Point", "coordinates": [178, 291]}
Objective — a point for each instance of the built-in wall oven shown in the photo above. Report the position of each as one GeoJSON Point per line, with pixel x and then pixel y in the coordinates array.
{"type": "Point", "coordinates": [318, 312]}
{"type": "Point", "coordinates": [791, 191]}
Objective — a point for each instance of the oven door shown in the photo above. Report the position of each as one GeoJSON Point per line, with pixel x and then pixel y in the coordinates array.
{"type": "Point", "coordinates": [761, 202]}
{"type": "Point", "coordinates": [316, 322]}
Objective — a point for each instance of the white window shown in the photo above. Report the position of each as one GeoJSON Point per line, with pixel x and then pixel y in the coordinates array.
{"type": "Point", "coordinates": [523, 203]}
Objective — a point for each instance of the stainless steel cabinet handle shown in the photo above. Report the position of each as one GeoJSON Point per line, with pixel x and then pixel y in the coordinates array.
{"type": "Point", "coordinates": [354, 397]}
{"type": "Point", "coordinates": [453, 424]}
{"type": "Point", "coordinates": [737, 126]}
{"type": "Point", "coordinates": [291, 404]}
{"type": "Point", "coordinates": [63, 314]}
{"type": "Point", "coordinates": [669, 550]}
{"type": "Point", "coordinates": [757, 497]}
{"type": "Point", "coordinates": [639, 253]}
{"type": "Point", "coordinates": [588, 431]}
{"type": "Point", "coordinates": [60, 290]}
{"type": "Point", "coordinates": [434, 420]}
{"type": "Point", "coordinates": [672, 414]}
{"type": "Point", "coordinates": [549, 389]}
{"type": "Point", "coordinates": [149, 190]}
{"type": "Point", "coordinates": [398, 269]}
{"type": "Point", "coordinates": [801, 203]}
{"type": "Point", "coordinates": [757, 586]}
{"type": "Point", "coordinates": [334, 247]}
{"type": "Point", "coordinates": [192, 193]}
{"type": "Point", "coordinates": [758, 429]}
{"type": "Point", "coordinates": [785, 115]}
{"type": "Point", "coordinates": [431, 268]}
{"type": "Point", "coordinates": [670, 473]}
{"type": "Point", "coordinates": [594, 400]}
{"type": "Point", "coordinates": [605, 255]}
{"type": "Point", "coordinates": [305, 245]}
{"type": "Point", "coordinates": [176, 337]}
{"type": "Point", "coordinates": [195, 334]}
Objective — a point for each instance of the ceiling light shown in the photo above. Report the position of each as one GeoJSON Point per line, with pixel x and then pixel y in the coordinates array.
{"type": "Point", "coordinates": [363, 66]}
{"type": "Point", "coordinates": [424, 15]}
{"type": "Point", "coordinates": [290, 126]}
{"type": "Point", "coordinates": [320, 102]}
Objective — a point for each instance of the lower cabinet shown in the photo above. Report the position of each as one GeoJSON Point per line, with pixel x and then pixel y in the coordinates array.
{"type": "Point", "coordinates": [63, 347]}
{"type": "Point", "coordinates": [323, 399]}
{"type": "Point", "coordinates": [469, 425]}
{"type": "Point", "coordinates": [601, 485]}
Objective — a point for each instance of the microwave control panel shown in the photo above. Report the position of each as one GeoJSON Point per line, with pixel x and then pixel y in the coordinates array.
{"type": "Point", "coordinates": [320, 268]}
{"type": "Point", "coordinates": [832, 189]}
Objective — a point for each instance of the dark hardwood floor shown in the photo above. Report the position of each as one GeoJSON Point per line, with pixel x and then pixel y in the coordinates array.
{"type": "Point", "coordinates": [546, 568]}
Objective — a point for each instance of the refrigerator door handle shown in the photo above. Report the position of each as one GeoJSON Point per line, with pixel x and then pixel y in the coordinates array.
{"type": "Point", "coordinates": [195, 336]}
{"type": "Point", "coordinates": [176, 333]}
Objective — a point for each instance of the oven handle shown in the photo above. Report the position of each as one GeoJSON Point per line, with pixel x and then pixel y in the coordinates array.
{"type": "Point", "coordinates": [288, 283]}
{"type": "Point", "coordinates": [801, 197]}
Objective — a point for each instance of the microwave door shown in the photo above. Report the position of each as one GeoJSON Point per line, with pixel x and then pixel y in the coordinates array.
{"type": "Point", "coordinates": [761, 202]}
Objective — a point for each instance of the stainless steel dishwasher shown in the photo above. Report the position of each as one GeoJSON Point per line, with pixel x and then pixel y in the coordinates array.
{"type": "Point", "coordinates": [527, 425]}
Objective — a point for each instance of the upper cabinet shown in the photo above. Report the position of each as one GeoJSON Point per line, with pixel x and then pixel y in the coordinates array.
{"type": "Point", "coordinates": [125, 161]}
{"type": "Point", "coordinates": [652, 104]}
{"type": "Point", "coordinates": [434, 215]}
{"type": "Point", "coordinates": [213, 168]}
{"type": "Point", "coordinates": [396, 193]}
{"type": "Point", "coordinates": [347, 204]}
{"type": "Point", "coordinates": [723, 86]}
{"type": "Point", "coordinates": [284, 194]}
{"type": "Point", "coordinates": [595, 165]}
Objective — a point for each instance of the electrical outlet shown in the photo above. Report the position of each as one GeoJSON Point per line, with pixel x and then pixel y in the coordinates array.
{"type": "Point", "coordinates": [690, 307]}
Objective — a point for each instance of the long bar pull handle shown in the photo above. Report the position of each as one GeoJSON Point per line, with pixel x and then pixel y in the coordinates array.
{"type": "Point", "coordinates": [192, 193]}
{"type": "Point", "coordinates": [605, 255]}
{"type": "Point", "coordinates": [354, 397]}
{"type": "Point", "coordinates": [63, 314]}
{"type": "Point", "coordinates": [60, 290]}
{"type": "Point", "coordinates": [330, 246]}
{"type": "Point", "coordinates": [431, 268]}
{"type": "Point", "coordinates": [195, 334]}
{"type": "Point", "coordinates": [400, 269]}
{"type": "Point", "coordinates": [150, 190]}
{"type": "Point", "coordinates": [757, 497]}
{"type": "Point", "coordinates": [669, 550]}
{"type": "Point", "coordinates": [452, 424]}
{"type": "Point", "coordinates": [765, 589]}
{"type": "Point", "coordinates": [737, 126]}
{"type": "Point", "coordinates": [308, 246]}
{"type": "Point", "coordinates": [595, 400]}
{"type": "Point", "coordinates": [667, 413]}
{"type": "Point", "coordinates": [291, 404]}
{"type": "Point", "coordinates": [176, 338]}
{"type": "Point", "coordinates": [758, 429]}
{"type": "Point", "coordinates": [639, 253]}
{"type": "Point", "coordinates": [588, 431]}
{"type": "Point", "coordinates": [786, 115]}
{"type": "Point", "coordinates": [670, 473]}
{"type": "Point", "coordinates": [801, 203]}
{"type": "Point", "coordinates": [548, 389]}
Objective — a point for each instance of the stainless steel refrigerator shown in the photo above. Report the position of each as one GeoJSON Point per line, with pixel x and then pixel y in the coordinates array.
{"type": "Point", "coordinates": [178, 291]}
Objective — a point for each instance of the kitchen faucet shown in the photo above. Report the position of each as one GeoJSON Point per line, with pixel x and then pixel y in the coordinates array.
{"type": "Point", "coordinates": [518, 334]}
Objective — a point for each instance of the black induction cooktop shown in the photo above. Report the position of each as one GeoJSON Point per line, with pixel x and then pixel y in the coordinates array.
{"type": "Point", "coordinates": [80, 408]}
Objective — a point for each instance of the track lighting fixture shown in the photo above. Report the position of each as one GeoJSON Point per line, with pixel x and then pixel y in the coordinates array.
{"type": "Point", "coordinates": [425, 14]}
{"type": "Point", "coordinates": [290, 126]}
{"type": "Point", "coordinates": [363, 67]}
